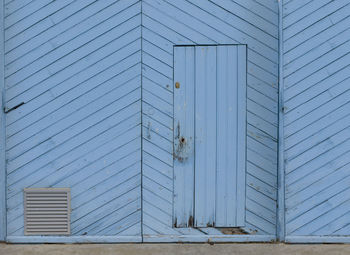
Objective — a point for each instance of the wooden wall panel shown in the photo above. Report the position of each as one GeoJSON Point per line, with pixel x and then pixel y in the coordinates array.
{"type": "Point", "coordinates": [76, 66]}
{"type": "Point", "coordinates": [194, 22]}
{"type": "Point", "coordinates": [316, 54]}
{"type": "Point", "coordinates": [74, 69]}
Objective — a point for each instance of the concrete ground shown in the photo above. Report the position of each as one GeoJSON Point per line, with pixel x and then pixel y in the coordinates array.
{"type": "Point", "coordinates": [169, 249]}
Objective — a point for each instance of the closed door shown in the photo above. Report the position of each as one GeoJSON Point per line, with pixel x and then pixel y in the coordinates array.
{"type": "Point", "coordinates": [209, 135]}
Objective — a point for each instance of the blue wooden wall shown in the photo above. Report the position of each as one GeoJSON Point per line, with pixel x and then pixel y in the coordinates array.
{"type": "Point", "coordinates": [76, 65]}
{"type": "Point", "coordinates": [93, 82]}
{"type": "Point", "coordinates": [86, 122]}
{"type": "Point", "coordinates": [165, 24]}
{"type": "Point", "coordinates": [316, 76]}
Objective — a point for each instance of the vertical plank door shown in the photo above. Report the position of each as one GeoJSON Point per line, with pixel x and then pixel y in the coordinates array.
{"type": "Point", "coordinates": [230, 139]}
{"type": "Point", "coordinates": [183, 136]}
{"type": "Point", "coordinates": [205, 135]}
{"type": "Point", "coordinates": [209, 135]}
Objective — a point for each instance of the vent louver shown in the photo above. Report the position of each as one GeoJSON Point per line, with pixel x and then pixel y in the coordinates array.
{"type": "Point", "coordinates": [47, 211]}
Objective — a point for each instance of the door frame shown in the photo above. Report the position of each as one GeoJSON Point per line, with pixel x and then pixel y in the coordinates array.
{"type": "Point", "coordinates": [191, 220]}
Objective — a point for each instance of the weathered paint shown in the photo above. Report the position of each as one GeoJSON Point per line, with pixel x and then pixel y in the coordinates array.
{"type": "Point", "coordinates": [184, 135]}
{"type": "Point", "coordinates": [73, 77]}
{"type": "Point", "coordinates": [210, 132]}
{"type": "Point", "coordinates": [76, 65]}
{"type": "Point", "coordinates": [316, 54]}
{"type": "Point", "coordinates": [80, 76]}
{"type": "Point", "coordinates": [197, 22]}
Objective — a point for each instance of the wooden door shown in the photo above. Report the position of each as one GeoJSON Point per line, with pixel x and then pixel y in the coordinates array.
{"type": "Point", "coordinates": [209, 135]}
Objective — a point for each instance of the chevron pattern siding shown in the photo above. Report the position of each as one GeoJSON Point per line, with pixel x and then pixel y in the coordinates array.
{"type": "Point", "coordinates": [76, 66]}
{"type": "Point", "coordinates": [317, 124]}
{"type": "Point", "coordinates": [192, 22]}
{"type": "Point", "coordinates": [79, 118]}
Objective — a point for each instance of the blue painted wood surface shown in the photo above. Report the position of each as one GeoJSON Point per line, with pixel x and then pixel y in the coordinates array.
{"type": "Point", "coordinates": [2, 132]}
{"type": "Point", "coordinates": [209, 136]}
{"type": "Point", "coordinates": [77, 67]}
{"type": "Point", "coordinates": [316, 122]}
{"type": "Point", "coordinates": [184, 136]}
{"type": "Point", "coordinates": [148, 239]}
{"type": "Point", "coordinates": [96, 80]}
{"type": "Point", "coordinates": [227, 135]}
{"type": "Point", "coordinates": [281, 171]}
{"type": "Point", "coordinates": [205, 135]}
{"type": "Point", "coordinates": [196, 22]}
{"type": "Point", "coordinates": [87, 122]}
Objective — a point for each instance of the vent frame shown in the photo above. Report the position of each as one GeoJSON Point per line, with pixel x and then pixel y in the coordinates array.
{"type": "Point", "coordinates": [64, 195]}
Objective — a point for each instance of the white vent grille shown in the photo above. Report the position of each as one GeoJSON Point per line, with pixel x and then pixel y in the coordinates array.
{"type": "Point", "coordinates": [47, 211]}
